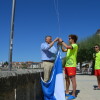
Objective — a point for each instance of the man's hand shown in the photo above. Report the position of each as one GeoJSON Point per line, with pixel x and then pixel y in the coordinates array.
{"type": "Point", "coordinates": [60, 40]}
{"type": "Point", "coordinates": [56, 39]}
{"type": "Point", "coordinates": [52, 43]}
{"type": "Point", "coordinates": [59, 43]}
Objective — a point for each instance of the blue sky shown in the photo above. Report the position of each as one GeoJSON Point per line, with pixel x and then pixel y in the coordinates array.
{"type": "Point", "coordinates": [34, 19]}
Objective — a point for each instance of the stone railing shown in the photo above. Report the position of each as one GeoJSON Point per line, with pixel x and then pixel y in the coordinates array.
{"type": "Point", "coordinates": [23, 84]}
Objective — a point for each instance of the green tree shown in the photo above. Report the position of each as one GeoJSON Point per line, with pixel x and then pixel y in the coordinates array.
{"type": "Point", "coordinates": [86, 50]}
{"type": "Point", "coordinates": [24, 66]}
{"type": "Point", "coordinates": [5, 64]}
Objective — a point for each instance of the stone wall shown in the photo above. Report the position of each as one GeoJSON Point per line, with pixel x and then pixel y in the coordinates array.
{"type": "Point", "coordinates": [23, 84]}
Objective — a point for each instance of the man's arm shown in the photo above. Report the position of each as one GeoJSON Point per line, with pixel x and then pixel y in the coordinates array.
{"type": "Point", "coordinates": [63, 49]}
{"type": "Point", "coordinates": [65, 45]}
{"type": "Point", "coordinates": [52, 43]}
{"type": "Point", "coordinates": [46, 47]}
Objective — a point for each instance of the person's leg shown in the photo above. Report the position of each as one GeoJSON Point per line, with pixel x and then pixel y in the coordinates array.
{"type": "Point", "coordinates": [98, 80]}
{"type": "Point", "coordinates": [47, 70]}
{"type": "Point", "coordinates": [67, 84]}
{"type": "Point", "coordinates": [74, 85]}
{"type": "Point", "coordinates": [67, 79]}
{"type": "Point", "coordinates": [50, 68]}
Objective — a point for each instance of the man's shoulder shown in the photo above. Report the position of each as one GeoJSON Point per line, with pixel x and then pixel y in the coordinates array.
{"type": "Point", "coordinates": [44, 43]}
{"type": "Point", "coordinates": [74, 45]}
{"type": "Point", "coordinates": [98, 53]}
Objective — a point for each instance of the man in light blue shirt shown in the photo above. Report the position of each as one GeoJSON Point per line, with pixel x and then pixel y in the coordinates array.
{"type": "Point", "coordinates": [48, 52]}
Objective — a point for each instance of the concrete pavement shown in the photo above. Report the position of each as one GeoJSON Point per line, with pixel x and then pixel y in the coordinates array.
{"type": "Point", "coordinates": [85, 90]}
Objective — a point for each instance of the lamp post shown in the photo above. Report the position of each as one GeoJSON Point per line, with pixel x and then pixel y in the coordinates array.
{"type": "Point", "coordinates": [11, 35]}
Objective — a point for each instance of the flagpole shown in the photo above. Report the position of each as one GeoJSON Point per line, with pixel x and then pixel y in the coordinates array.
{"type": "Point", "coordinates": [11, 35]}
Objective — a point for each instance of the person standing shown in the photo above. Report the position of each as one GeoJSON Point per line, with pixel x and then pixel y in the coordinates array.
{"type": "Point", "coordinates": [70, 66]}
{"type": "Point", "coordinates": [97, 65]}
{"type": "Point", "coordinates": [48, 52]}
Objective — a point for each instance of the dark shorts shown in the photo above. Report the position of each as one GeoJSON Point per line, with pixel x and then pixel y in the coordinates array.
{"type": "Point", "coordinates": [70, 71]}
{"type": "Point", "coordinates": [97, 72]}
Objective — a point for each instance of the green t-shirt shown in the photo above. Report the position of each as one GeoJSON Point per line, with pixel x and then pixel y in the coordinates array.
{"type": "Point", "coordinates": [71, 56]}
{"type": "Point", "coordinates": [97, 61]}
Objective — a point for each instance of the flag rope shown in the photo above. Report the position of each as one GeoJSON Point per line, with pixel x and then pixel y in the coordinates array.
{"type": "Point", "coordinates": [57, 14]}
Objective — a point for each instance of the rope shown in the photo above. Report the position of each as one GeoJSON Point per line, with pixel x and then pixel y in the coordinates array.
{"type": "Point", "coordinates": [57, 14]}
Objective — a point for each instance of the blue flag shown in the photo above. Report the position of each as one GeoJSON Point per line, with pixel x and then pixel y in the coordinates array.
{"type": "Point", "coordinates": [54, 88]}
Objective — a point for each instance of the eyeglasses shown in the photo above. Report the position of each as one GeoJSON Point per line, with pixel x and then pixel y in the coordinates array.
{"type": "Point", "coordinates": [95, 47]}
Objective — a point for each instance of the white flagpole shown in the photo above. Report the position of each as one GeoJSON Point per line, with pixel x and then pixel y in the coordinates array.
{"type": "Point", "coordinates": [11, 35]}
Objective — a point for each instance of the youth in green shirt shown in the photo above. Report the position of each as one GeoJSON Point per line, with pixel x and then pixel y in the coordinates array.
{"type": "Point", "coordinates": [71, 63]}
{"type": "Point", "coordinates": [97, 65]}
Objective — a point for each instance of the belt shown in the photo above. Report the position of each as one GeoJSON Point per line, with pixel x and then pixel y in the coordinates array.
{"type": "Point", "coordinates": [52, 61]}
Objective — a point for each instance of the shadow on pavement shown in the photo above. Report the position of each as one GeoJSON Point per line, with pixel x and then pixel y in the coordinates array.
{"type": "Point", "coordinates": [83, 74]}
{"type": "Point", "coordinates": [77, 92]}
{"type": "Point", "coordinates": [95, 86]}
